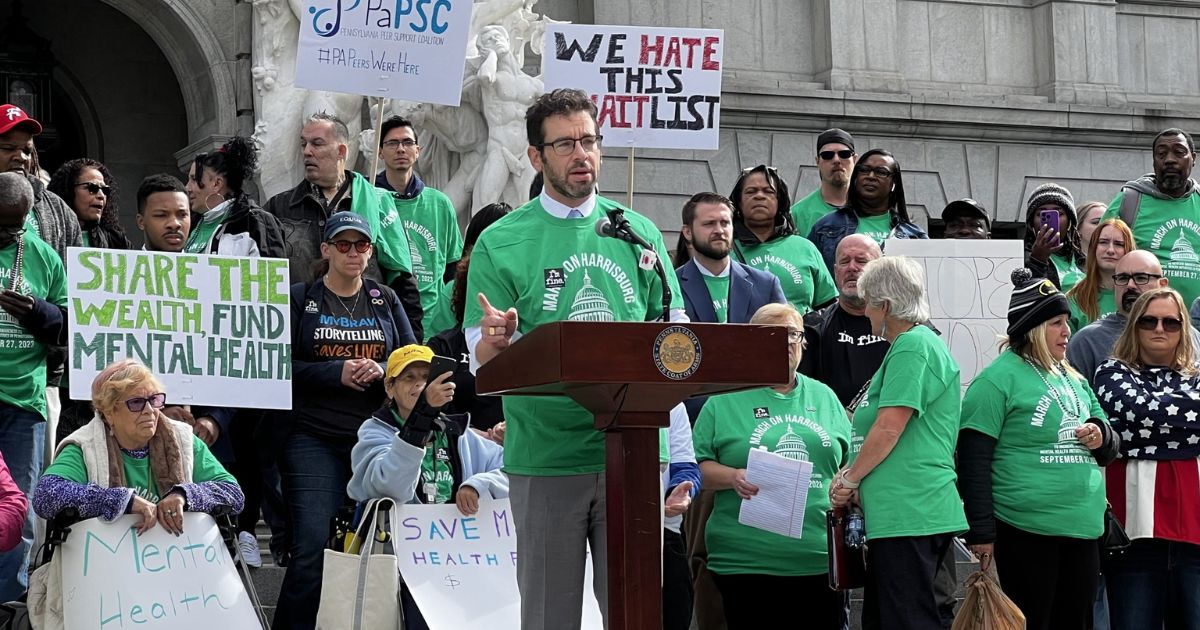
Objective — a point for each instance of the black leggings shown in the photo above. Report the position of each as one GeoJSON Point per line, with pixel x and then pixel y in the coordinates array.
{"type": "Point", "coordinates": [754, 601]}
{"type": "Point", "coordinates": [1052, 579]}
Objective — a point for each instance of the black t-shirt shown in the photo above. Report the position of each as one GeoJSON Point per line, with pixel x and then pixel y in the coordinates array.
{"type": "Point", "coordinates": [849, 353]}
{"type": "Point", "coordinates": [347, 329]}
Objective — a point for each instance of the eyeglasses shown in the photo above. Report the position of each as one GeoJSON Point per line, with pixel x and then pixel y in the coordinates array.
{"type": "Point", "coordinates": [879, 171]}
{"type": "Point", "coordinates": [344, 246]}
{"type": "Point", "coordinates": [845, 154]}
{"type": "Point", "coordinates": [795, 336]}
{"type": "Point", "coordinates": [136, 405]}
{"type": "Point", "coordinates": [1122, 279]}
{"type": "Point", "coordinates": [769, 169]}
{"type": "Point", "coordinates": [566, 146]}
{"type": "Point", "coordinates": [392, 145]}
{"type": "Point", "coordinates": [93, 188]}
{"type": "Point", "coordinates": [1169, 324]}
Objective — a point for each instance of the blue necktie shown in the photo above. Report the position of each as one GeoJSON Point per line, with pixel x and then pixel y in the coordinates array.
{"type": "Point", "coordinates": [574, 214]}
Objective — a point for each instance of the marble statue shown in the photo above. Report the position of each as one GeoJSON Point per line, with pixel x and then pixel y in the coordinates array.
{"type": "Point", "coordinates": [475, 153]}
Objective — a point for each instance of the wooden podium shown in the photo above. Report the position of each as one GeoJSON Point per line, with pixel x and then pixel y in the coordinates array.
{"type": "Point", "coordinates": [630, 375]}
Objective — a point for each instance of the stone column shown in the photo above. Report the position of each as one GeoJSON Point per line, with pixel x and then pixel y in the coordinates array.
{"type": "Point", "coordinates": [854, 45]}
{"type": "Point", "coordinates": [1075, 45]}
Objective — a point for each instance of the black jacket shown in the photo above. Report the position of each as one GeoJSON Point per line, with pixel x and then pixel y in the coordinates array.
{"type": "Point", "coordinates": [246, 217]}
{"type": "Point", "coordinates": [302, 217]}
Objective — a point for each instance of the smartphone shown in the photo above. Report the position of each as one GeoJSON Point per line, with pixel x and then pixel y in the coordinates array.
{"type": "Point", "coordinates": [439, 366]}
{"type": "Point", "coordinates": [1051, 218]}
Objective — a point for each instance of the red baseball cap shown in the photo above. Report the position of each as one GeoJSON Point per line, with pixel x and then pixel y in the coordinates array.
{"type": "Point", "coordinates": [12, 117]}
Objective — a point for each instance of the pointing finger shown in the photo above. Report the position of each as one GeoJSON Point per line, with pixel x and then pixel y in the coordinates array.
{"type": "Point", "coordinates": [488, 309]}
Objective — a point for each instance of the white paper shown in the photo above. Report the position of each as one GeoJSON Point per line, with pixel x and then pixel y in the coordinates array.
{"type": "Point", "coordinates": [969, 286]}
{"type": "Point", "coordinates": [462, 570]}
{"type": "Point", "coordinates": [113, 577]}
{"type": "Point", "coordinates": [654, 87]}
{"type": "Point", "coordinates": [782, 493]}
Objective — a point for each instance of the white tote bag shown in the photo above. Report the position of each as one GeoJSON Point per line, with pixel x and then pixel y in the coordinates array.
{"type": "Point", "coordinates": [362, 591]}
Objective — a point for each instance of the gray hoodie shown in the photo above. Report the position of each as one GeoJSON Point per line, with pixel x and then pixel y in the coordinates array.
{"type": "Point", "coordinates": [57, 224]}
{"type": "Point", "coordinates": [1146, 186]}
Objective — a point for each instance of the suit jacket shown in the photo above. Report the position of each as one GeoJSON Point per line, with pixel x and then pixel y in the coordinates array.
{"type": "Point", "coordinates": [749, 289]}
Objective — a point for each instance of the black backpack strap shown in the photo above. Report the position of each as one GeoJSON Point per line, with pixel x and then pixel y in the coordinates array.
{"type": "Point", "coordinates": [1130, 201]}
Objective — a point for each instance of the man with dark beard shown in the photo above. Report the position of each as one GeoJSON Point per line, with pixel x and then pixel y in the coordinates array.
{"type": "Point", "coordinates": [716, 288]}
{"type": "Point", "coordinates": [1137, 272]}
{"type": "Point", "coordinates": [1163, 210]}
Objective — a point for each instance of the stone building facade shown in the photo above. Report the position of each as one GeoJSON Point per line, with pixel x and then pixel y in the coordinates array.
{"type": "Point", "coordinates": [979, 98]}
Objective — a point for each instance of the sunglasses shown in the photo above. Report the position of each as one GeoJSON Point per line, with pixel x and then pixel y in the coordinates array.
{"type": "Point", "coordinates": [845, 154]}
{"type": "Point", "coordinates": [344, 246]}
{"type": "Point", "coordinates": [1169, 324]}
{"type": "Point", "coordinates": [136, 405]}
{"type": "Point", "coordinates": [94, 188]}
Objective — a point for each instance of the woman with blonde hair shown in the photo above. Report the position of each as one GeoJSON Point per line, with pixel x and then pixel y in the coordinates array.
{"type": "Point", "coordinates": [1150, 389]}
{"type": "Point", "coordinates": [1032, 444]}
{"type": "Point", "coordinates": [1093, 297]}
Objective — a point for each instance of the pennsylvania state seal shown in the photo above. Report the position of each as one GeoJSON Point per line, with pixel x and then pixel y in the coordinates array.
{"type": "Point", "coordinates": [677, 352]}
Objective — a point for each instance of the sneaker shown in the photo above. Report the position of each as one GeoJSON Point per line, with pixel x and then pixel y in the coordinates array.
{"type": "Point", "coordinates": [248, 546]}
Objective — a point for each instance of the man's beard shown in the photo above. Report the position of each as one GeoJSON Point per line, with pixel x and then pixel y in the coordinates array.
{"type": "Point", "coordinates": [854, 300]}
{"type": "Point", "coordinates": [708, 250]}
{"type": "Point", "coordinates": [1128, 299]}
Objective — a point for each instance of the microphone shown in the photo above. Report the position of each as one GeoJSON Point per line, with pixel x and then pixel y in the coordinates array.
{"type": "Point", "coordinates": [621, 230]}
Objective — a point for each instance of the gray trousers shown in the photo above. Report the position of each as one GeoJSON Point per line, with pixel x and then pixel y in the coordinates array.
{"type": "Point", "coordinates": [556, 519]}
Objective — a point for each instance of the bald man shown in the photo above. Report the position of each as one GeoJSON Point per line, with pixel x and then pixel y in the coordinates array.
{"type": "Point", "coordinates": [842, 352]}
{"type": "Point", "coordinates": [1137, 272]}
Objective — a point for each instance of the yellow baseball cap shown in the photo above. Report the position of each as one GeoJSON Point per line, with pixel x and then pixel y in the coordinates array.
{"type": "Point", "coordinates": [402, 357]}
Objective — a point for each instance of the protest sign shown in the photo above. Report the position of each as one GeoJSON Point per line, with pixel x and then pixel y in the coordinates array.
{"type": "Point", "coordinates": [654, 87]}
{"type": "Point", "coordinates": [113, 577]}
{"type": "Point", "coordinates": [462, 570]}
{"type": "Point", "coordinates": [969, 287]}
{"type": "Point", "coordinates": [410, 49]}
{"type": "Point", "coordinates": [216, 330]}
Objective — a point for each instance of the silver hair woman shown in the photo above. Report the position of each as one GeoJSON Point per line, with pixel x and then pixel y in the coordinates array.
{"type": "Point", "coordinates": [902, 456]}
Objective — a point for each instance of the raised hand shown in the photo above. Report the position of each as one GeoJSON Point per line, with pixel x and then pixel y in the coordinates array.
{"type": "Point", "coordinates": [679, 500]}
{"type": "Point", "coordinates": [496, 326]}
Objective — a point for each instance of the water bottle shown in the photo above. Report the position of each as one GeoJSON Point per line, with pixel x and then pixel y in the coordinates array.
{"type": "Point", "coordinates": [856, 533]}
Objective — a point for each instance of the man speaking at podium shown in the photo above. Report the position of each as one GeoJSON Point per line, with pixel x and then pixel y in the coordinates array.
{"type": "Point", "coordinates": [548, 261]}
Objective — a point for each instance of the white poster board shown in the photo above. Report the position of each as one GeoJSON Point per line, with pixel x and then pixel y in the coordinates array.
{"type": "Point", "coordinates": [216, 330]}
{"type": "Point", "coordinates": [654, 87]}
{"type": "Point", "coordinates": [409, 49]}
{"type": "Point", "coordinates": [462, 570]}
{"type": "Point", "coordinates": [112, 577]}
{"type": "Point", "coordinates": [970, 285]}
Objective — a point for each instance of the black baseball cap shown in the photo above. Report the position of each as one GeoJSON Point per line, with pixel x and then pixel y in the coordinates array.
{"type": "Point", "coordinates": [966, 206]}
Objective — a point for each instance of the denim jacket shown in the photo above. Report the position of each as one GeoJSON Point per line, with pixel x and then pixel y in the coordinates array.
{"type": "Point", "coordinates": [833, 227]}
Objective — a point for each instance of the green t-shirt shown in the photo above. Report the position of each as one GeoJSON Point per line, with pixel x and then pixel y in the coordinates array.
{"type": "Point", "coordinates": [877, 227]}
{"type": "Point", "coordinates": [1107, 303]}
{"type": "Point", "coordinates": [23, 377]}
{"type": "Point", "coordinates": [807, 423]}
{"type": "Point", "coordinates": [203, 230]}
{"type": "Point", "coordinates": [1043, 480]}
{"type": "Point", "coordinates": [1069, 273]}
{"type": "Point", "coordinates": [138, 476]}
{"type": "Point", "coordinates": [798, 265]}
{"type": "Point", "coordinates": [1170, 228]}
{"type": "Point", "coordinates": [550, 270]}
{"type": "Point", "coordinates": [435, 468]}
{"type": "Point", "coordinates": [912, 492]}
{"type": "Point", "coordinates": [441, 317]}
{"type": "Point", "coordinates": [434, 242]}
{"type": "Point", "coordinates": [718, 290]}
{"type": "Point", "coordinates": [809, 210]}
{"type": "Point", "coordinates": [87, 238]}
